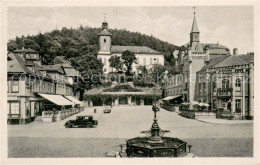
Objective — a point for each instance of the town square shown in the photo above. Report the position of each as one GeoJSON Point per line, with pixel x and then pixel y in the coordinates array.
{"type": "Point", "coordinates": [109, 88]}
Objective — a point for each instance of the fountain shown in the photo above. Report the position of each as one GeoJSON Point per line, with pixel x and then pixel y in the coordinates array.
{"type": "Point", "coordinates": [155, 144]}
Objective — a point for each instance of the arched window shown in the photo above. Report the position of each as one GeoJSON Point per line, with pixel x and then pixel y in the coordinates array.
{"type": "Point", "coordinates": [238, 82]}
{"type": "Point", "coordinates": [105, 40]}
{"type": "Point", "coordinates": [225, 83]}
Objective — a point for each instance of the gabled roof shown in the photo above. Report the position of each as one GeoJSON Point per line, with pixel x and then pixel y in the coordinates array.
{"type": "Point", "coordinates": [134, 49]}
{"type": "Point", "coordinates": [54, 68]}
{"type": "Point", "coordinates": [18, 65]}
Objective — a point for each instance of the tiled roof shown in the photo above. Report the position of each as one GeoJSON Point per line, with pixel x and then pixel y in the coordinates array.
{"type": "Point", "coordinates": [134, 49]}
{"type": "Point", "coordinates": [55, 67]}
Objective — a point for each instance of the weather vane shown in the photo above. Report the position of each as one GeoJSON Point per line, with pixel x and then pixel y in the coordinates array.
{"type": "Point", "coordinates": [194, 9]}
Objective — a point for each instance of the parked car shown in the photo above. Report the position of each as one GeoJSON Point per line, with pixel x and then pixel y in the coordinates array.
{"type": "Point", "coordinates": [107, 109]}
{"type": "Point", "coordinates": [82, 121]}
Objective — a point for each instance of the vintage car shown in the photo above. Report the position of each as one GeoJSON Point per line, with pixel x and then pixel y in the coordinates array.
{"type": "Point", "coordinates": [107, 109]}
{"type": "Point", "coordinates": [82, 121]}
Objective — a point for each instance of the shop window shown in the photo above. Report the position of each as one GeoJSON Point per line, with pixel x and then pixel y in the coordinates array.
{"type": "Point", "coordinates": [15, 86]}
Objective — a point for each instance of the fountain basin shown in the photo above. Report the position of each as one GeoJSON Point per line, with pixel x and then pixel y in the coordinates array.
{"type": "Point", "coordinates": [141, 147]}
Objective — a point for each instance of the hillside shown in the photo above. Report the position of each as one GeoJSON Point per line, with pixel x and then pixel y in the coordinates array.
{"type": "Point", "coordinates": [73, 44]}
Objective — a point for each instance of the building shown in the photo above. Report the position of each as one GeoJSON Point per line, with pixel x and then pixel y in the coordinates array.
{"type": "Point", "coordinates": [145, 56]}
{"type": "Point", "coordinates": [209, 74]}
{"type": "Point", "coordinates": [33, 87]}
{"type": "Point", "coordinates": [227, 84]}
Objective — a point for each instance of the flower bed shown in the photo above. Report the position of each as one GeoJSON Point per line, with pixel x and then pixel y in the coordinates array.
{"type": "Point", "coordinates": [53, 116]}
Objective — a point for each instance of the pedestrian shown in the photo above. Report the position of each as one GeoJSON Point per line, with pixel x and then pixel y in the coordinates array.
{"type": "Point", "coordinates": [95, 110]}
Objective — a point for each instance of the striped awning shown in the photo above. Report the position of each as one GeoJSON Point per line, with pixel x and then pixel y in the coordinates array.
{"type": "Point", "coordinates": [56, 99]}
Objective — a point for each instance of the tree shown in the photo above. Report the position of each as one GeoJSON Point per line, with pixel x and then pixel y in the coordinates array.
{"type": "Point", "coordinates": [58, 60]}
{"type": "Point", "coordinates": [115, 62]}
{"type": "Point", "coordinates": [128, 59]}
{"type": "Point", "coordinates": [157, 72]}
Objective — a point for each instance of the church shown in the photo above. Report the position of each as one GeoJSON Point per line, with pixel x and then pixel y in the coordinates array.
{"type": "Point", "coordinates": [145, 56]}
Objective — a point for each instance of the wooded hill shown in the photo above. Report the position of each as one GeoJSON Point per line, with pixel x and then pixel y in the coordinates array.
{"type": "Point", "coordinates": [76, 44]}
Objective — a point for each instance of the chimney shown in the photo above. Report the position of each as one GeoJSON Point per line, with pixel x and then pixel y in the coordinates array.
{"type": "Point", "coordinates": [235, 51]}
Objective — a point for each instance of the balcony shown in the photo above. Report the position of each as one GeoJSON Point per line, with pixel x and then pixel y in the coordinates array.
{"type": "Point", "coordinates": [224, 93]}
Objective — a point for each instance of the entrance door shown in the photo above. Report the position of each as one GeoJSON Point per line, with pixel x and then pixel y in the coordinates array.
{"type": "Point", "coordinates": [123, 100]}
{"type": "Point", "coordinates": [229, 106]}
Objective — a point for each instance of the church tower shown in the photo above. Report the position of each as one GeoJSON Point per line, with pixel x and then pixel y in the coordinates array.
{"type": "Point", "coordinates": [104, 39]}
{"type": "Point", "coordinates": [195, 37]}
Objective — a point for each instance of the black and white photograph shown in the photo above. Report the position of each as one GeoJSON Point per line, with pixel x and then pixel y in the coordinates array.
{"type": "Point", "coordinates": [129, 81]}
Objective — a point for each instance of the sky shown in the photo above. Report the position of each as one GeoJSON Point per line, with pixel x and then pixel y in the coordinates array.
{"type": "Point", "coordinates": [230, 26]}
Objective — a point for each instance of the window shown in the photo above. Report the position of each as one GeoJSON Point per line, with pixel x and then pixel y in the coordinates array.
{"type": "Point", "coordinates": [43, 87]}
{"type": "Point", "coordinates": [225, 84]}
{"type": "Point", "coordinates": [15, 86]}
{"type": "Point", "coordinates": [199, 88]}
{"type": "Point", "coordinates": [214, 104]}
{"type": "Point", "coordinates": [8, 86]}
{"type": "Point", "coordinates": [238, 105]}
{"type": "Point", "coordinates": [105, 69]}
{"type": "Point", "coordinates": [49, 88]}
{"type": "Point", "coordinates": [238, 82]}
{"type": "Point", "coordinates": [214, 86]}
{"type": "Point", "coordinates": [204, 87]}
{"type": "Point", "coordinates": [15, 106]}
{"type": "Point", "coordinates": [31, 86]}
{"type": "Point", "coordinates": [105, 40]}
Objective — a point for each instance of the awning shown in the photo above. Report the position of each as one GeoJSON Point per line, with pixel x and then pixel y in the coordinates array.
{"type": "Point", "coordinates": [76, 101]}
{"type": "Point", "coordinates": [171, 97]}
{"type": "Point", "coordinates": [56, 99]}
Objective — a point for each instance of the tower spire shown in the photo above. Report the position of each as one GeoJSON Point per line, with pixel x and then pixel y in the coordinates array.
{"type": "Point", "coordinates": [194, 24]}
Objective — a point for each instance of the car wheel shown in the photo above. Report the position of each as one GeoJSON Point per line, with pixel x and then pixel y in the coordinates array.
{"type": "Point", "coordinates": [68, 125]}
{"type": "Point", "coordinates": [89, 125]}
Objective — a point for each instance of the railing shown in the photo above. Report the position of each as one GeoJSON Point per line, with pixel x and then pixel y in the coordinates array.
{"type": "Point", "coordinates": [224, 92]}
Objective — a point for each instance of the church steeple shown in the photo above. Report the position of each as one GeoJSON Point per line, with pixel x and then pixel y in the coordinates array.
{"type": "Point", "coordinates": [194, 28]}
{"type": "Point", "coordinates": [195, 36]}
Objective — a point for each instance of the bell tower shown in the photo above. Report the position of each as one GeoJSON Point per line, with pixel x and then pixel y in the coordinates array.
{"type": "Point", "coordinates": [105, 39]}
{"type": "Point", "coordinates": [195, 36]}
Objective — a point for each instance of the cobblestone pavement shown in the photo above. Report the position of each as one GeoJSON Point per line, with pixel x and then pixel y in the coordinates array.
{"type": "Point", "coordinates": [127, 122]}
{"type": "Point", "coordinates": [39, 139]}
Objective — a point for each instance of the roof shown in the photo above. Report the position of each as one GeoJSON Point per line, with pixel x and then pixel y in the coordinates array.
{"type": "Point", "coordinates": [18, 65]}
{"type": "Point", "coordinates": [67, 66]}
{"type": "Point", "coordinates": [171, 97]}
{"type": "Point", "coordinates": [134, 49]}
{"type": "Point", "coordinates": [231, 61]}
{"type": "Point", "coordinates": [71, 72]}
{"type": "Point", "coordinates": [248, 58]}
{"type": "Point", "coordinates": [29, 50]}
{"type": "Point", "coordinates": [104, 32]}
{"type": "Point", "coordinates": [214, 61]}
{"type": "Point", "coordinates": [214, 48]}
{"type": "Point", "coordinates": [53, 68]}
{"type": "Point", "coordinates": [194, 28]}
